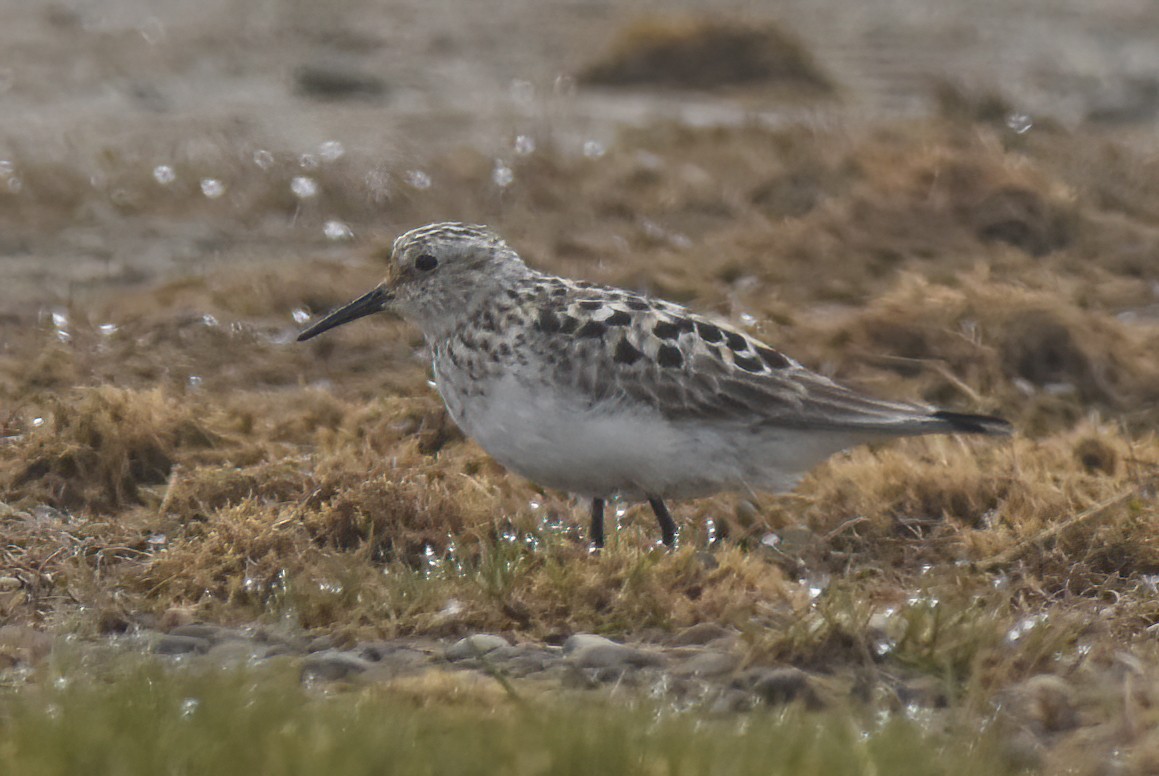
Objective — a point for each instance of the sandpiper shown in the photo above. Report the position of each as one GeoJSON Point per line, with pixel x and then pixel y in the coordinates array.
{"type": "Point", "coordinates": [606, 393]}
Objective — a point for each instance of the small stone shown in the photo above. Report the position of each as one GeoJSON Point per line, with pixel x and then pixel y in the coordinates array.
{"type": "Point", "coordinates": [588, 651]}
{"type": "Point", "coordinates": [529, 662]}
{"type": "Point", "coordinates": [236, 651]}
{"type": "Point", "coordinates": [708, 664]}
{"type": "Point", "coordinates": [320, 644]}
{"type": "Point", "coordinates": [475, 646]}
{"type": "Point", "coordinates": [699, 634]}
{"type": "Point", "coordinates": [580, 640]}
{"type": "Point", "coordinates": [181, 645]}
{"type": "Point", "coordinates": [332, 666]}
{"type": "Point", "coordinates": [8, 584]}
{"type": "Point", "coordinates": [279, 649]}
{"type": "Point", "coordinates": [201, 630]}
{"type": "Point", "coordinates": [778, 686]}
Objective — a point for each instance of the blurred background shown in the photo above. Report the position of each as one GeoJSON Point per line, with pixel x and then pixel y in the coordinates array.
{"type": "Point", "coordinates": [153, 139]}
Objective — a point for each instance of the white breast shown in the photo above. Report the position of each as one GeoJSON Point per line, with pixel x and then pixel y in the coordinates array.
{"type": "Point", "coordinates": [554, 438]}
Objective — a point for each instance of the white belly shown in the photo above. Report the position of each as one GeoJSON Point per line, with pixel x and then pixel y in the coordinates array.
{"type": "Point", "coordinates": [555, 440]}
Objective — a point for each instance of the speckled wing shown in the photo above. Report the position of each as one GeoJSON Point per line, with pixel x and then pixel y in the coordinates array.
{"type": "Point", "coordinates": [615, 346]}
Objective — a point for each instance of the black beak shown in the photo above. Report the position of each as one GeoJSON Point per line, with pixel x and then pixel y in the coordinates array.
{"type": "Point", "coordinates": [367, 304]}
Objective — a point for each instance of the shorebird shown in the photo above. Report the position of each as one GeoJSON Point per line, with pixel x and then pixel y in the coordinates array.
{"type": "Point", "coordinates": [604, 392]}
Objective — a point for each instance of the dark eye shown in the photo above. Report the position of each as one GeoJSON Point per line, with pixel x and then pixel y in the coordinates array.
{"type": "Point", "coordinates": [426, 262]}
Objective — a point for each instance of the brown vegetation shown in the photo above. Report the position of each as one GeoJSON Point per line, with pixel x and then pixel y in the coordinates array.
{"type": "Point", "coordinates": [195, 456]}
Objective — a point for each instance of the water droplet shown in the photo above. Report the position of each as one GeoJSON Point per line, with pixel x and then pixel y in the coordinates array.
{"type": "Point", "coordinates": [331, 150]}
{"type": "Point", "coordinates": [378, 184]}
{"type": "Point", "coordinates": [60, 323]}
{"type": "Point", "coordinates": [164, 174]}
{"type": "Point", "coordinates": [194, 382]}
{"type": "Point", "coordinates": [770, 540]}
{"type": "Point", "coordinates": [502, 176]}
{"type": "Point", "coordinates": [1019, 122]}
{"type": "Point", "coordinates": [37, 422]}
{"type": "Point", "coordinates": [61, 682]}
{"type": "Point", "coordinates": [107, 329]}
{"type": "Point", "coordinates": [418, 179]}
{"type": "Point", "coordinates": [524, 145]}
{"type": "Point", "coordinates": [564, 86]}
{"type": "Point", "coordinates": [522, 92]}
{"type": "Point", "coordinates": [300, 315]}
{"type": "Point", "coordinates": [304, 186]}
{"type": "Point", "coordinates": [337, 230]}
{"type": "Point", "coordinates": [748, 319]}
{"type": "Point", "coordinates": [189, 707]}
{"type": "Point", "coordinates": [710, 529]}
{"type": "Point", "coordinates": [534, 504]}
{"type": "Point", "coordinates": [152, 30]}
{"type": "Point", "coordinates": [308, 161]}
{"type": "Point", "coordinates": [649, 160]}
{"type": "Point", "coordinates": [263, 159]}
{"type": "Point", "coordinates": [212, 188]}
{"type": "Point", "coordinates": [208, 320]}
{"type": "Point", "coordinates": [594, 149]}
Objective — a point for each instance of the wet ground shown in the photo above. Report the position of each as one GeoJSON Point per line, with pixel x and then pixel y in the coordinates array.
{"type": "Point", "coordinates": [954, 204]}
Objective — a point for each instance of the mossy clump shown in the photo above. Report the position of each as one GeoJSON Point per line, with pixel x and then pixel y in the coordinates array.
{"type": "Point", "coordinates": [98, 447]}
{"type": "Point", "coordinates": [703, 53]}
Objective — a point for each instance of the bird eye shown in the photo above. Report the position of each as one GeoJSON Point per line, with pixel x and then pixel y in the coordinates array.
{"type": "Point", "coordinates": [426, 262]}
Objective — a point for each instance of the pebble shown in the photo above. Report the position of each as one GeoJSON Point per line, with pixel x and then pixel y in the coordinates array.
{"type": "Point", "coordinates": [211, 633]}
{"type": "Point", "coordinates": [586, 650]}
{"type": "Point", "coordinates": [171, 644]}
{"type": "Point", "coordinates": [698, 665]}
{"type": "Point", "coordinates": [474, 646]}
{"type": "Point", "coordinates": [708, 663]}
{"type": "Point", "coordinates": [232, 652]}
{"type": "Point", "coordinates": [8, 584]}
{"type": "Point", "coordinates": [778, 686]}
{"type": "Point", "coordinates": [333, 665]}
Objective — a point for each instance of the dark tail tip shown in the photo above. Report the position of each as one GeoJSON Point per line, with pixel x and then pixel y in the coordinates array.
{"type": "Point", "coordinates": [962, 423]}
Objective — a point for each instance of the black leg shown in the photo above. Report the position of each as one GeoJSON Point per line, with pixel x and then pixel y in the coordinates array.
{"type": "Point", "coordinates": [667, 525]}
{"type": "Point", "coordinates": [597, 534]}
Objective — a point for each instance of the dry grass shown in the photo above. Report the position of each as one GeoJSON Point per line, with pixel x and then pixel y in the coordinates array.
{"type": "Point", "coordinates": [197, 457]}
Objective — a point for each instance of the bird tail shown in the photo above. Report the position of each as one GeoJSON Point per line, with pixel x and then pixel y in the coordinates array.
{"type": "Point", "coordinates": [964, 423]}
